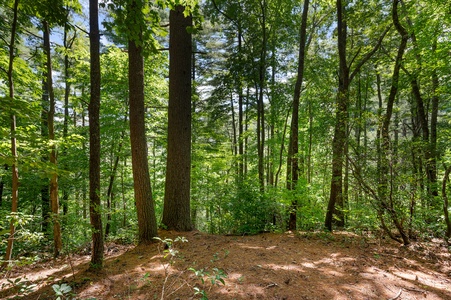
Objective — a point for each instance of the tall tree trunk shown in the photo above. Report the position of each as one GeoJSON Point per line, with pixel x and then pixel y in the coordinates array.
{"type": "Point", "coordinates": [434, 121]}
{"type": "Point", "coordinates": [14, 169]}
{"type": "Point", "coordinates": [385, 191]}
{"type": "Point", "coordinates": [260, 103]}
{"type": "Point", "coordinates": [293, 147]}
{"type": "Point", "coordinates": [67, 86]}
{"type": "Point", "coordinates": [45, 193]}
{"type": "Point", "coordinates": [176, 210]}
{"type": "Point", "coordinates": [145, 206]}
{"type": "Point", "coordinates": [446, 204]}
{"type": "Point", "coordinates": [240, 114]}
{"type": "Point", "coordinates": [234, 133]}
{"type": "Point", "coordinates": [2, 185]}
{"type": "Point", "coordinates": [335, 205]}
{"type": "Point", "coordinates": [110, 194]}
{"type": "Point", "coordinates": [54, 200]}
{"type": "Point", "coordinates": [94, 139]}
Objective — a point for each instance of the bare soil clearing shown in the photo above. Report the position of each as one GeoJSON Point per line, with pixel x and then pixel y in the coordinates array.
{"type": "Point", "coordinates": [266, 266]}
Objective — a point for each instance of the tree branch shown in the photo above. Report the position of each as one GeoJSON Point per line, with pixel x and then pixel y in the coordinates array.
{"type": "Point", "coordinates": [369, 54]}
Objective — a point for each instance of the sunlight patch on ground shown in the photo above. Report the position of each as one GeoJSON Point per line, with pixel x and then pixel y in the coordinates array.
{"type": "Point", "coordinates": [424, 279]}
{"type": "Point", "coordinates": [309, 265]}
{"type": "Point", "coordinates": [250, 247]}
{"type": "Point", "coordinates": [284, 267]}
{"type": "Point", "coordinates": [250, 291]}
{"type": "Point", "coordinates": [154, 267]}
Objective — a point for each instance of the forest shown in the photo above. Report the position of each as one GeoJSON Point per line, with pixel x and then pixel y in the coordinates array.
{"type": "Point", "coordinates": [128, 124]}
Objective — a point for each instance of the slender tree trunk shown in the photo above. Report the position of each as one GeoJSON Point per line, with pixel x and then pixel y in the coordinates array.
{"type": "Point", "coordinates": [434, 121]}
{"type": "Point", "coordinates": [234, 133]}
{"type": "Point", "coordinates": [67, 86]}
{"type": "Point", "coordinates": [446, 205]}
{"type": "Point", "coordinates": [110, 194]}
{"type": "Point", "coordinates": [2, 185]}
{"type": "Point", "coordinates": [293, 148]}
{"type": "Point", "coordinates": [240, 115]}
{"type": "Point", "coordinates": [45, 193]}
{"type": "Point", "coordinates": [385, 184]}
{"type": "Point", "coordinates": [94, 139]}
{"type": "Point", "coordinates": [14, 169]}
{"type": "Point", "coordinates": [260, 103]}
{"type": "Point", "coordinates": [176, 210]}
{"type": "Point", "coordinates": [54, 200]}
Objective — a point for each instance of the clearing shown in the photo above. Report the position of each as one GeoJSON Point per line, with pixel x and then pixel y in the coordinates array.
{"type": "Point", "coordinates": [303, 265]}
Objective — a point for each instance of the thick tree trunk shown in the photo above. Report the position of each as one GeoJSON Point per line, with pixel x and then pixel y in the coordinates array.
{"type": "Point", "coordinates": [145, 206]}
{"type": "Point", "coordinates": [176, 210]}
{"type": "Point", "coordinates": [94, 139]}
{"type": "Point", "coordinates": [335, 205]}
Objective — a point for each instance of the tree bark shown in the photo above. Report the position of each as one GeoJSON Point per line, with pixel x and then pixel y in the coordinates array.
{"type": "Point", "coordinates": [385, 192]}
{"type": "Point", "coordinates": [260, 104]}
{"type": "Point", "coordinates": [54, 200]}
{"type": "Point", "coordinates": [176, 210]}
{"type": "Point", "coordinates": [293, 148]}
{"type": "Point", "coordinates": [335, 205]}
{"type": "Point", "coordinates": [145, 206]}
{"type": "Point", "coordinates": [446, 205]}
{"type": "Point", "coordinates": [336, 187]}
{"type": "Point", "coordinates": [14, 168]}
{"type": "Point", "coordinates": [94, 139]}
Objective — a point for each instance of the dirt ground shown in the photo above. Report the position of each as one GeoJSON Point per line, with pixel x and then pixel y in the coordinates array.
{"type": "Point", "coordinates": [266, 266]}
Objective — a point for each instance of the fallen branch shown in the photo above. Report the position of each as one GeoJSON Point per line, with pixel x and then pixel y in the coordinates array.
{"type": "Point", "coordinates": [397, 296]}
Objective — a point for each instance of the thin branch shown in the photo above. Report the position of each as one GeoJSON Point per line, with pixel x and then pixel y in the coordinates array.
{"type": "Point", "coordinates": [369, 54]}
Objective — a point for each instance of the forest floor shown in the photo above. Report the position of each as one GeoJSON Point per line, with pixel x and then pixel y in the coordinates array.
{"type": "Point", "coordinates": [317, 265]}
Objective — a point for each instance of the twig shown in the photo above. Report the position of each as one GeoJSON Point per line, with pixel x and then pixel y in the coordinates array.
{"type": "Point", "coordinates": [71, 266]}
{"type": "Point", "coordinates": [414, 290]}
{"type": "Point", "coordinates": [397, 296]}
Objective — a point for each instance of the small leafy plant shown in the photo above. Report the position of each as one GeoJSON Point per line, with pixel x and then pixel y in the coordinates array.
{"type": "Point", "coordinates": [216, 277]}
{"type": "Point", "coordinates": [63, 291]}
{"type": "Point", "coordinates": [21, 284]}
{"type": "Point", "coordinates": [170, 252]}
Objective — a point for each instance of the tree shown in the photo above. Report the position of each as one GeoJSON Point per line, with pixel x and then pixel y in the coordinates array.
{"type": "Point", "coordinates": [293, 148]}
{"type": "Point", "coordinates": [346, 75]}
{"type": "Point", "coordinates": [54, 200]}
{"type": "Point", "coordinates": [94, 139]}
{"type": "Point", "coordinates": [147, 224]}
{"type": "Point", "coordinates": [385, 197]}
{"type": "Point", "coordinates": [14, 167]}
{"type": "Point", "coordinates": [176, 210]}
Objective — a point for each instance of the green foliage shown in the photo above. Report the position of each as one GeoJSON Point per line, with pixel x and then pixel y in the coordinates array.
{"type": "Point", "coordinates": [251, 212]}
{"type": "Point", "coordinates": [169, 246]}
{"type": "Point", "coordinates": [63, 291]}
{"type": "Point", "coordinates": [27, 239]}
{"type": "Point", "coordinates": [215, 277]}
{"type": "Point", "coordinates": [21, 285]}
